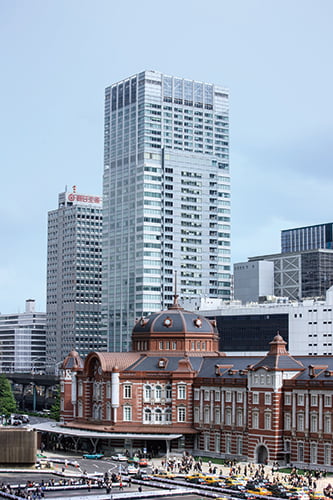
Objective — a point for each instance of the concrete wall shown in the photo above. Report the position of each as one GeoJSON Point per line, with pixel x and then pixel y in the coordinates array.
{"type": "Point", "coordinates": [18, 446]}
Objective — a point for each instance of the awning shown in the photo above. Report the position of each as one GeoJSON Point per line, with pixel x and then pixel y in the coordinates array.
{"type": "Point", "coordinates": [67, 431]}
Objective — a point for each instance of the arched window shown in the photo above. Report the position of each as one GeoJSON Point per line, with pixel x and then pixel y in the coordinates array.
{"type": "Point", "coordinates": [181, 391]}
{"type": "Point", "coordinates": [158, 415]}
{"type": "Point", "coordinates": [147, 416]}
{"type": "Point", "coordinates": [127, 416]}
{"type": "Point", "coordinates": [239, 418]}
{"type": "Point", "coordinates": [158, 393]}
{"type": "Point", "coordinates": [147, 393]}
{"type": "Point", "coordinates": [287, 421]}
{"type": "Point", "coordinates": [168, 415]}
{"type": "Point", "coordinates": [268, 420]}
{"type": "Point", "coordinates": [327, 423]}
{"type": "Point", "coordinates": [168, 392]}
{"type": "Point", "coordinates": [108, 411]}
{"type": "Point", "coordinates": [313, 453]}
{"type": "Point", "coordinates": [314, 424]}
{"type": "Point", "coordinates": [300, 422]}
{"type": "Point", "coordinates": [255, 420]}
{"type": "Point", "coordinates": [217, 442]}
{"type": "Point", "coordinates": [327, 454]}
{"type": "Point", "coordinates": [181, 414]}
{"type": "Point", "coordinates": [228, 416]}
{"type": "Point", "coordinates": [108, 390]}
{"type": "Point", "coordinates": [80, 409]}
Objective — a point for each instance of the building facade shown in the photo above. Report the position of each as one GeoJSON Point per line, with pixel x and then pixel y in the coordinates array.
{"type": "Point", "coordinates": [307, 238]}
{"type": "Point", "coordinates": [246, 329]}
{"type": "Point", "coordinates": [253, 280]}
{"type": "Point", "coordinates": [74, 267]}
{"type": "Point", "coordinates": [295, 275]}
{"type": "Point", "coordinates": [23, 340]}
{"type": "Point", "coordinates": [166, 193]}
{"type": "Point", "coordinates": [176, 389]}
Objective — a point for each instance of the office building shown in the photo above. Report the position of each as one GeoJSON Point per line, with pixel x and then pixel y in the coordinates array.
{"type": "Point", "coordinates": [166, 197]}
{"type": "Point", "coordinates": [305, 325]}
{"type": "Point", "coordinates": [307, 238]}
{"type": "Point", "coordinates": [74, 263]}
{"type": "Point", "coordinates": [23, 340]}
{"type": "Point", "coordinates": [253, 280]}
{"type": "Point", "coordinates": [296, 275]}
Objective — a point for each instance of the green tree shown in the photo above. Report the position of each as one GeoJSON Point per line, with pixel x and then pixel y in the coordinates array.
{"type": "Point", "coordinates": [7, 400]}
{"type": "Point", "coordinates": [55, 408]}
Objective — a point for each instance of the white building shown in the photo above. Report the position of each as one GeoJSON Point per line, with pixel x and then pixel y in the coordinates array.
{"type": "Point", "coordinates": [23, 340]}
{"type": "Point", "coordinates": [166, 197]}
{"type": "Point", "coordinates": [307, 325]}
{"type": "Point", "coordinates": [253, 280]}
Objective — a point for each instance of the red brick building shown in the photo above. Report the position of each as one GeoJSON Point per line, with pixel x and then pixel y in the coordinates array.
{"type": "Point", "coordinates": [175, 391]}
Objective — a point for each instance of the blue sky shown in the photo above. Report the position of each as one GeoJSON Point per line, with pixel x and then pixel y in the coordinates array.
{"type": "Point", "coordinates": [57, 56]}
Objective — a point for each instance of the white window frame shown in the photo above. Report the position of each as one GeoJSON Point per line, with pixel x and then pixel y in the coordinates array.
{"type": "Point", "coordinates": [287, 398]}
{"type": "Point", "coordinates": [158, 393]}
{"type": "Point", "coordinates": [127, 391]}
{"type": "Point", "coordinates": [147, 392]}
{"type": "Point", "coordinates": [181, 414]}
{"type": "Point", "coordinates": [127, 413]}
{"type": "Point", "coordinates": [181, 391]}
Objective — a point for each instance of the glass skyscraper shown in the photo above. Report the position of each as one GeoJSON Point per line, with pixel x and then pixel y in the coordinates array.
{"type": "Point", "coordinates": [166, 197]}
{"type": "Point", "coordinates": [307, 238]}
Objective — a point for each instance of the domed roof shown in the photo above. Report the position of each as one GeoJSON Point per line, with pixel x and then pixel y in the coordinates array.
{"type": "Point", "coordinates": [175, 320]}
{"type": "Point", "coordinates": [73, 361]}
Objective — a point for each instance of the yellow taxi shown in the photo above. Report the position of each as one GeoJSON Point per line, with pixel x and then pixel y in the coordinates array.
{"type": "Point", "coordinates": [259, 491]}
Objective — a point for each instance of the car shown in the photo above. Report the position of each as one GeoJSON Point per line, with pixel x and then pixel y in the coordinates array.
{"type": "Point", "coordinates": [195, 475]}
{"type": "Point", "coordinates": [93, 456]}
{"type": "Point", "coordinates": [119, 457]}
{"type": "Point", "coordinates": [143, 462]}
{"type": "Point", "coordinates": [164, 475]}
{"type": "Point", "coordinates": [143, 476]}
{"type": "Point", "coordinates": [133, 460]}
{"type": "Point", "coordinates": [212, 481]}
{"type": "Point", "coordinates": [197, 480]}
{"type": "Point", "coordinates": [22, 418]}
{"type": "Point", "coordinates": [259, 491]}
{"type": "Point", "coordinates": [131, 469]}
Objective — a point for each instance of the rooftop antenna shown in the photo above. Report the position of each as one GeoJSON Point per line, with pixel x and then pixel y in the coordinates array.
{"type": "Point", "coordinates": [175, 297]}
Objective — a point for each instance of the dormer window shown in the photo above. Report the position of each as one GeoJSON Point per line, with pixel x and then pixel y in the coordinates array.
{"type": "Point", "coordinates": [162, 363]}
{"type": "Point", "coordinates": [167, 322]}
{"type": "Point", "coordinates": [198, 322]}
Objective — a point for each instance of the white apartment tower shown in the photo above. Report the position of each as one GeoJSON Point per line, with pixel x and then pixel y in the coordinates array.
{"type": "Point", "coordinates": [23, 340]}
{"type": "Point", "coordinates": [74, 262]}
{"type": "Point", "coordinates": [166, 197]}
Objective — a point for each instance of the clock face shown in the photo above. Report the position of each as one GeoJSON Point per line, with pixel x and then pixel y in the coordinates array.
{"type": "Point", "coordinates": [167, 322]}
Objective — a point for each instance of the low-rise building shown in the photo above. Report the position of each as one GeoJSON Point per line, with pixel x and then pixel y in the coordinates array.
{"type": "Point", "coordinates": [176, 391]}
{"type": "Point", "coordinates": [23, 340]}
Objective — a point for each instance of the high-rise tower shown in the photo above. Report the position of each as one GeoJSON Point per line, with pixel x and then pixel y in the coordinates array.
{"type": "Point", "coordinates": [166, 197]}
{"type": "Point", "coordinates": [74, 264]}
